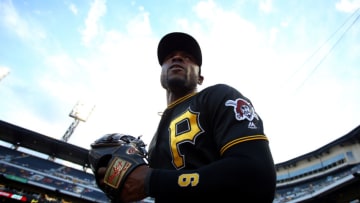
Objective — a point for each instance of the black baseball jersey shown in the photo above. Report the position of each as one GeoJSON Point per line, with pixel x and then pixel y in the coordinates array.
{"type": "Point", "coordinates": [200, 129]}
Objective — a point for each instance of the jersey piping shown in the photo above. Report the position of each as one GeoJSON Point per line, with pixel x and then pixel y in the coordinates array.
{"type": "Point", "coordinates": [242, 139]}
{"type": "Point", "coordinates": [180, 100]}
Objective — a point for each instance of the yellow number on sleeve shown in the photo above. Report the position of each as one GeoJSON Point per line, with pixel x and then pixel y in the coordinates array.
{"type": "Point", "coordinates": [185, 180]}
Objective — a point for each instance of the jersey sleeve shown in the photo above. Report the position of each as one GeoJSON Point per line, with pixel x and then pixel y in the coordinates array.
{"type": "Point", "coordinates": [233, 118]}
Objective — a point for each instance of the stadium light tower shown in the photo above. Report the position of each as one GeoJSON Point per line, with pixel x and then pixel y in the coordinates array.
{"type": "Point", "coordinates": [80, 112]}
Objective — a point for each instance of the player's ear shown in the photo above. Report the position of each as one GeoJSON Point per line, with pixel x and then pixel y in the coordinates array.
{"type": "Point", "coordinates": [200, 79]}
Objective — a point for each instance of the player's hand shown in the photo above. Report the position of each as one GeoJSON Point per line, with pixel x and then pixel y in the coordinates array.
{"type": "Point", "coordinates": [101, 174]}
{"type": "Point", "coordinates": [113, 157]}
{"type": "Point", "coordinates": [134, 185]}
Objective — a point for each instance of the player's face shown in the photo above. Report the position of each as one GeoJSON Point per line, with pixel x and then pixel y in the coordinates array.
{"type": "Point", "coordinates": [180, 71]}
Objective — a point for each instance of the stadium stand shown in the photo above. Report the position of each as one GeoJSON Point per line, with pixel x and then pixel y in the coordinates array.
{"type": "Point", "coordinates": [42, 173]}
{"type": "Point", "coordinates": [328, 174]}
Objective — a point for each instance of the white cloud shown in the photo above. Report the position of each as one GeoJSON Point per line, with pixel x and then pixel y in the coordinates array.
{"type": "Point", "coordinates": [231, 45]}
{"type": "Point", "coordinates": [273, 36]}
{"type": "Point", "coordinates": [265, 6]}
{"type": "Point", "coordinates": [23, 26]}
{"type": "Point", "coordinates": [92, 27]}
{"type": "Point", "coordinates": [4, 71]}
{"type": "Point", "coordinates": [73, 9]}
{"type": "Point", "coordinates": [285, 22]}
{"type": "Point", "coordinates": [348, 5]}
{"type": "Point", "coordinates": [139, 25]}
{"type": "Point", "coordinates": [13, 21]}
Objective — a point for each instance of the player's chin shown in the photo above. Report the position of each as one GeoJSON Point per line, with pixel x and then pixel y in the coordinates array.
{"type": "Point", "coordinates": [176, 82]}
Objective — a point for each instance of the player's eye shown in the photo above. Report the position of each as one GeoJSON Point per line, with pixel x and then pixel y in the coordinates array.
{"type": "Point", "coordinates": [189, 57]}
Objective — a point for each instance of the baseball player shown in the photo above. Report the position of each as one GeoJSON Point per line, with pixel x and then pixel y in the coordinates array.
{"type": "Point", "coordinates": [210, 145]}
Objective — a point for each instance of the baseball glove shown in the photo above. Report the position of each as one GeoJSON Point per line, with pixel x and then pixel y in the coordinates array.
{"type": "Point", "coordinates": [120, 154]}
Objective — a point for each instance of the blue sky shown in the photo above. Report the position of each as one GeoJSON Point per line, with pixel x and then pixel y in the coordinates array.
{"type": "Point", "coordinates": [298, 62]}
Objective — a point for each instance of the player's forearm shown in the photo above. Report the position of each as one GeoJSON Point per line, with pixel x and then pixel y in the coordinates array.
{"type": "Point", "coordinates": [243, 175]}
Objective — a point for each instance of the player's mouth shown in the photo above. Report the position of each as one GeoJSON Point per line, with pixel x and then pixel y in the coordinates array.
{"type": "Point", "coordinates": [176, 67]}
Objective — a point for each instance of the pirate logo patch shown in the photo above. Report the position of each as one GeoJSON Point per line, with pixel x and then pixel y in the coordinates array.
{"type": "Point", "coordinates": [243, 110]}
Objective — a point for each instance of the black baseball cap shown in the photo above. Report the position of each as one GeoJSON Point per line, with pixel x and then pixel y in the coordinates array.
{"type": "Point", "coordinates": [179, 41]}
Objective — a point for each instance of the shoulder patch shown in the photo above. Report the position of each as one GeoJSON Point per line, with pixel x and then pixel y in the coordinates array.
{"type": "Point", "coordinates": [243, 110]}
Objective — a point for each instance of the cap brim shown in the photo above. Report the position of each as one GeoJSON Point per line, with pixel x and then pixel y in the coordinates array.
{"type": "Point", "coordinates": [178, 41]}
